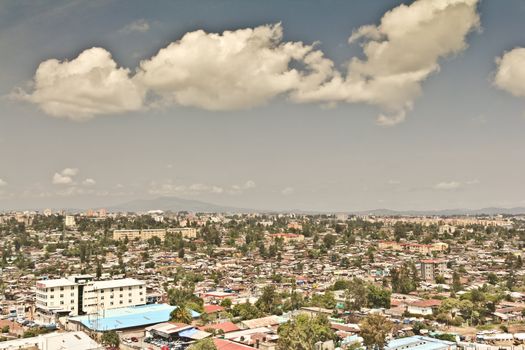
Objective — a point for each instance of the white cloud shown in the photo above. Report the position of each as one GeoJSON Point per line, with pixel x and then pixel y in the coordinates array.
{"type": "Point", "coordinates": [86, 86]}
{"type": "Point", "coordinates": [3, 183]}
{"type": "Point", "coordinates": [233, 70]}
{"type": "Point", "coordinates": [65, 177]}
{"type": "Point", "coordinates": [89, 182]}
{"type": "Point", "coordinates": [287, 191]}
{"type": "Point", "coordinates": [245, 68]}
{"type": "Point", "coordinates": [172, 188]}
{"type": "Point", "coordinates": [448, 186]}
{"type": "Point", "coordinates": [400, 53]}
{"type": "Point", "coordinates": [472, 182]}
{"type": "Point", "coordinates": [510, 73]}
{"type": "Point", "coordinates": [70, 172]}
{"type": "Point", "coordinates": [140, 25]}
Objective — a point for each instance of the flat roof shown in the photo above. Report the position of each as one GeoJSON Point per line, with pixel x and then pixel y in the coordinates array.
{"type": "Point", "coordinates": [128, 317]}
{"type": "Point", "coordinates": [59, 282]}
{"type": "Point", "coordinates": [125, 282]}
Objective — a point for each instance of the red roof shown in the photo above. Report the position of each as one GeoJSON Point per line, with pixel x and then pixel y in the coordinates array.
{"type": "Point", "coordinates": [226, 327]}
{"type": "Point", "coordinates": [426, 303]}
{"type": "Point", "coordinates": [210, 309]}
{"type": "Point", "coordinates": [223, 344]}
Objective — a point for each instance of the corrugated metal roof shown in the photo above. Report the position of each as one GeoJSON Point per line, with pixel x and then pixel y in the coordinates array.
{"type": "Point", "coordinates": [128, 317]}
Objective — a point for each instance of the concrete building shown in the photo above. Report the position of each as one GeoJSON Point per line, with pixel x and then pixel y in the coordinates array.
{"type": "Point", "coordinates": [54, 341]}
{"type": "Point", "coordinates": [186, 232]}
{"type": "Point", "coordinates": [142, 235]}
{"type": "Point", "coordinates": [69, 221]}
{"type": "Point", "coordinates": [431, 268]}
{"type": "Point", "coordinates": [79, 294]}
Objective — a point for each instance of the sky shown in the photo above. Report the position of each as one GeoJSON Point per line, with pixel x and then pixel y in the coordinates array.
{"type": "Point", "coordinates": [327, 105]}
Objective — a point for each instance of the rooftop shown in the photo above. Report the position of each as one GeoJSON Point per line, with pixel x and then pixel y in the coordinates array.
{"type": "Point", "coordinates": [128, 317]}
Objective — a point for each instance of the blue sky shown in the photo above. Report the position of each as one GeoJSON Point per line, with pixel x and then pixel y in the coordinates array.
{"type": "Point", "coordinates": [460, 144]}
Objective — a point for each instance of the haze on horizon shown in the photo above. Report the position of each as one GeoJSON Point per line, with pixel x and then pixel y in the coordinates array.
{"type": "Point", "coordinates": [312, 105]}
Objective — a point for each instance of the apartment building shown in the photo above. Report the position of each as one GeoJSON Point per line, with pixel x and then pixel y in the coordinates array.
{"type": "Point", "coordinates": [431, 268]}
{"type": "Point", "coordinates": [105, 295]}
{"type": "Point", "coordinates": [57, 296]}
{"type": "Point", "coordinates": [186, 232]}
{"type": "Point", "coordinates": [78, 295]}
{"type": "Point", "coordinates": [142, 235]}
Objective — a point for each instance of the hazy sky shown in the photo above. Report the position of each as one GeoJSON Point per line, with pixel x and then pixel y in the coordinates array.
{"type": "Point", "coordinates": [314, 105]}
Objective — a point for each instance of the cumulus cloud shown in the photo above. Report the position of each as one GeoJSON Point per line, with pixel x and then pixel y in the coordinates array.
{"type": "Point", "coordinates": [140, 25]}
{"type": "Point", "coordinates": [447, 186]}
{"type": "Point", "coordinates": [89, 182]}
{"type": "Point", "coordinates": [245, 68]}
{"type": "Point", "coordinates": [233, 70]}
{"type": "Point", "coordinates": [89, 85]}
{"type": "Point", "coordinates": [3, 183]}
{"type": "Point", "coordinates": [510, 73]}
{"type": "Point", "coordinates": [171, 188]}
{"type": "Point", "coordinates": [399, 54]}
{"type": "Point", "coordinates": [287, 191]}
{"type": "Point", "coordinates": [65, 177]}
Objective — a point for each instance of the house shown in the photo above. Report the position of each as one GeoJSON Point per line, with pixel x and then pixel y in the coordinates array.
{"type": "Point", "coordinates": [423, 307]}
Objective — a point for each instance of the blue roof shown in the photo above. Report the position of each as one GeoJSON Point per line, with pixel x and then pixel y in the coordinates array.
{"type": "Point", "coordinates": [128, 317]}
{"type": "Point", "coordinates": [188, 332]}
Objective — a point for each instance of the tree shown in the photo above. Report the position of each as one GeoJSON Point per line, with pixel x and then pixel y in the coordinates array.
{"type": "Point", "coordinates": [111, 338]}
{"type": "Point", "coordinates": [204, 344]}
{"type": "Point", "coordinates": [181, 314]}
{"type": "Point", "coordinates": [456, 282]}
{"type": "Point", "coordinates": [356, 294]}
{"type": "Point", "coordinates": [303, 332]}
{"type": "Point", "coordinates": [269, 301]}
{"type": "Point", "coordinates": [378, 297]}
{"type": "Point", "coordinates": [374, 330]}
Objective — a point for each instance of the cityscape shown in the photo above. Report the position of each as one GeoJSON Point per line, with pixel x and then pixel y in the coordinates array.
{"type": "Point", "coordinates": [262, 174]}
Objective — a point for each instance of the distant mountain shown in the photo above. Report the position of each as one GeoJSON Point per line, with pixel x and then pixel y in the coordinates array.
{"type": "Point", "coordinates": [175, 204]}
{"type": "Point", "coordinates": [179, 204]}
{"type": "Point", "coordinates": [444, 212]}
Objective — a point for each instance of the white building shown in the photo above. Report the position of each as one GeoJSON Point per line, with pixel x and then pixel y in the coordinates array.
{"type": "Point", "coordinates": [186, 232]}
{"type": "Point", "coordinates": [57, 296]}
{"type": "Point", "coordinates": [113, 294]}
{"type": "Point", "coordinates": [79, 294]}
{"type": "Point", "coordinates": [69, 221]}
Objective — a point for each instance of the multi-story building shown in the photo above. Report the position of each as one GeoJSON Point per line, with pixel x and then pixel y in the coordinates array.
{"type": "Point", "coordinates": [57, 296]}
{"type": "Point", "coordinates": [105, 295]}
{"type": "Point", "coordinates": [139, 234]}
{"type": "Point", "coordinates": [187, 232]}
{"type": "Point", "coordinates": [69, 221]}
{"type": "Point", "coordinates": [77, 295]}
{"type": "Point", "coordinates": [431, 268]}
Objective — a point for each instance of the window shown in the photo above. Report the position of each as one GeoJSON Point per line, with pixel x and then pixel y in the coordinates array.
{"type": "Point", "coordinates": [129, 301]}
{"type": "Point", "coordinates": [61, 288]}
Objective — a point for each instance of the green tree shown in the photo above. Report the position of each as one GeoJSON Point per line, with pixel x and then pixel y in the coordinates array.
{"type": "Point", "coordinates": [181, 314]}
{"type": "Point", "coordinates": [204, 344]}
{"type": "Point", "coordinates": [270, 301]}
{"type": "Point", "coordinates": [374, 330]}
{"type": "Point", "coordinates": [303, 332]}
{"type": "Point", "coordinates": [356, 294]}
{"type": "Point", "coordinates": [111, 338]}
